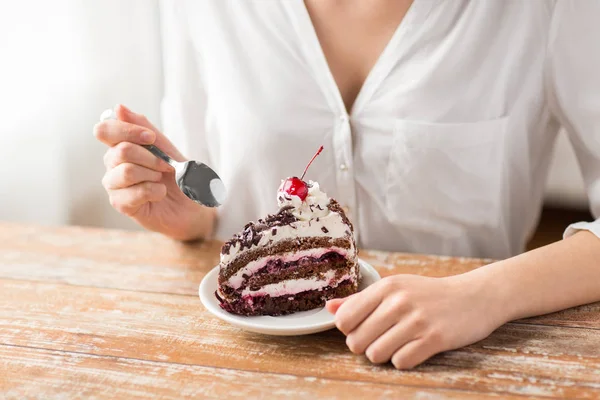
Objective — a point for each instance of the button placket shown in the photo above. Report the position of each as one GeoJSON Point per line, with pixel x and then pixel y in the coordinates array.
{"type": "Point", "coordinates": [343, 157]}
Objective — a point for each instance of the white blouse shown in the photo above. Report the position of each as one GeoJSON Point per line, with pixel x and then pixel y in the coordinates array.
{"type": "Point", "coordinates": [448, 144]}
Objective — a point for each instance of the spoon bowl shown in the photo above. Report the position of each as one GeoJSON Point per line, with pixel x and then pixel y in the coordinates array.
{"type": "Point", "coordinates": [195, 179]}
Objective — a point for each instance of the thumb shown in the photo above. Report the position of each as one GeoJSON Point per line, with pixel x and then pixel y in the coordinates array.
{"type": "Point", "coordinates": [333, 305]}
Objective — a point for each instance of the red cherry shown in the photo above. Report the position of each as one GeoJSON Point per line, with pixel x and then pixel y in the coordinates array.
{"type": "Point", "coordinates": [295, 187]}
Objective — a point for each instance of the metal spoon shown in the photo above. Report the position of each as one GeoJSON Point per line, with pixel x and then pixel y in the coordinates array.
{"type": "Point", "coordinates": [195, 179]}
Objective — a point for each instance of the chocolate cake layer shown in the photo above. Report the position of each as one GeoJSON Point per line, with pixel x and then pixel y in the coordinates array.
{"type": "Point", "coordinates": [284, 246]}
{"type": "Point", "coordinates": [267, 305]}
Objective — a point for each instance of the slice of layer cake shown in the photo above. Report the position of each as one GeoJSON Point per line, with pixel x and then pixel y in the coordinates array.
{"type": "Point", "coordinates": [291, 261]}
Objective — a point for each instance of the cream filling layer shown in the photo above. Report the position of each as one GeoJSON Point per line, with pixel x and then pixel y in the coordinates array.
{"type": "Point", "coordinates": [294, 286]}
{"type": "Point", "coordinates": [237, 279]}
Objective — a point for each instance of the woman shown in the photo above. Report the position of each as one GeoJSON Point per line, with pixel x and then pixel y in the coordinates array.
{"type": "Point", "coordinates": [439, 118]}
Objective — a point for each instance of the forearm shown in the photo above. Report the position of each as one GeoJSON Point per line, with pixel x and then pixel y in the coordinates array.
{"type": "Point", "coordinates": [558, 276]}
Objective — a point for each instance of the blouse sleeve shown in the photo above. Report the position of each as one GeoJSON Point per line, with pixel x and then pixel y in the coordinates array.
{"type": "Point", "coordinates": [183, 107]}
{"type": "Point", "coordinates": [574, 91]}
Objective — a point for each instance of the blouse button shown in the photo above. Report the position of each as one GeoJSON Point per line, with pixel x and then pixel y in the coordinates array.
{"type": "Point", "coordinates": [343, 167]}
{"type": "Point", "coordinates": [344, 118]}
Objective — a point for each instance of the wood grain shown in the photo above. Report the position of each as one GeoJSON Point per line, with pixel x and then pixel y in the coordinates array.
{"type": "Point", "coordinates": [517, 359]}
{"type": "Point", "coordinates": [152, 263]}
{"type": "Point", "coordinates": [92, 313]}
{"type": "Point", "coordinates": [29, 372]}
{"type": "Point", "coordinates": [104, 258]}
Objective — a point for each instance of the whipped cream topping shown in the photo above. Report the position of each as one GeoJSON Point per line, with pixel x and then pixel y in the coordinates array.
{"type": "Point", "coordinates": [315, 219]}
{"type": "Point", "coordinates": [314, 206]}
{"type": "Point", "coordinates": [331, 226]}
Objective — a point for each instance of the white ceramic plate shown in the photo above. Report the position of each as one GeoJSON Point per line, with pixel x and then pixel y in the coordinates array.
{"type": "Point", "coordinates": [301, 323]}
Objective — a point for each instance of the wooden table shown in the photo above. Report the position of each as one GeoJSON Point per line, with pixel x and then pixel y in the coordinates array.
{"type": "Point", "coordinates": [89, 313]}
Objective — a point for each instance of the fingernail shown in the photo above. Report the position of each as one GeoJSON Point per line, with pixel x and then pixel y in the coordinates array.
{"type": "Point", "coordinates": [168, 167]}
{"type": "Point", "coordinates": [123, 108]}
{"type": "Point", "coordinates": [147, 137]}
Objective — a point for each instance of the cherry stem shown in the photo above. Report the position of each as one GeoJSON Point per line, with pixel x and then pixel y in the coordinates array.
{"type": "Point", "coordinates": [310, 162]}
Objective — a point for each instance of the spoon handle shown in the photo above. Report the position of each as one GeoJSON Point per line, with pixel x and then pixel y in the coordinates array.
{"type": "Point", "coordinates": [160, 154]}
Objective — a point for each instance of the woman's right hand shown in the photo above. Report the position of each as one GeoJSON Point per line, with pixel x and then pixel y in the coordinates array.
{"type": "Point", "coordinates": [142, 186]}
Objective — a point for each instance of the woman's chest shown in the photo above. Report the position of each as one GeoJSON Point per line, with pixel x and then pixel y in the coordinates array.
{"type": "Point", "coordinates": [265, 73]}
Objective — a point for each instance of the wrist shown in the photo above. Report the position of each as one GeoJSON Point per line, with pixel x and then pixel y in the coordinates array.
{"type": "Point", "coordinates": [205, 222]}
{"type": "Point", "coordinates": [491, 292]}
{"type": "Point", "coordinates": [199, 224]}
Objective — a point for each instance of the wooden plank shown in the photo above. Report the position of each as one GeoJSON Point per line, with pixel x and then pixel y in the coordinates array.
{"type": "Point", "coordinates": [518, 359]}
{"type": "Point", "coordinates": [153, 263]}
{"type": "Point", "coordinates": [38, 373]}
{"type": "Point", "coordinates": [419, 264]}
{"type": "Point", "coordinates": [104, 258]}
{"type": "Point", "coordinates": [586, 316]}
{"type": "Point", "coordinates": [60, 254]}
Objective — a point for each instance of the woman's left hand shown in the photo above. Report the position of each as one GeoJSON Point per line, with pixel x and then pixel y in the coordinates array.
{"type": "Point", "coordinates": [408, 318]}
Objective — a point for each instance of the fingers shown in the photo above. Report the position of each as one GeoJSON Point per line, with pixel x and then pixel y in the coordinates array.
{"type": "Point", "coordinates": [412, 354]}
{"type": "Point", "coordinates": [376, 324]}
{"type": "Point", "coordinates": [125, 114]}
{"type": "Point", "coordinates": [112, 131]}
{"type": "Point", "coordinates": [355, 309]}
{"type": "Point", "coordinates": [129, 200]}
{"type": "Point", "coordinates": [384, 347]}
{"type": "Point", "coordinates": [127, 174]}
{"type": "Point", "coordinates": [333, 305]}
{"type": "Point", "coordinates": [135, 128]}
{"type": "Point", "coordinates": [127, 152]}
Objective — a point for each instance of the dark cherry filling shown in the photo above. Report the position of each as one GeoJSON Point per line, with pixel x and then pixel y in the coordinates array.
{"type": "Point", "coordinates": [259, 301]}
{"type": "Point", "coordinates": [276, 270]}
{"type": "Point", "coordinates": [274, 266]}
